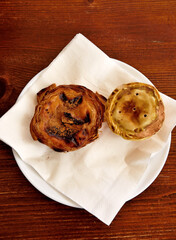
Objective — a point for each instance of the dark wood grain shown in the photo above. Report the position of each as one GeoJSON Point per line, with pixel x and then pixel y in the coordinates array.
{"type": "Point", "coordinates": [32, 33]}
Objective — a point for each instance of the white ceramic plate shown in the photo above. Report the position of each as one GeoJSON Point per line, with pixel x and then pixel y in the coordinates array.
{"type": "Point", "coordinates": [157, 161]}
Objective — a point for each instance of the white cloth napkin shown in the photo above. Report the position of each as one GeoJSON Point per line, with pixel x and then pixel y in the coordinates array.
{"type": "Point", "coordinates": [101, 176]}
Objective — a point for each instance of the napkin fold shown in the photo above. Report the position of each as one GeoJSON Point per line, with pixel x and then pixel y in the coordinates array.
{"type": "Point", "coordinates": [101, 176]}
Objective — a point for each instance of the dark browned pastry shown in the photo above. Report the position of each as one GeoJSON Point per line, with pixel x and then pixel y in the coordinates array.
{"type": "Point", "coordinates": [67, 117]}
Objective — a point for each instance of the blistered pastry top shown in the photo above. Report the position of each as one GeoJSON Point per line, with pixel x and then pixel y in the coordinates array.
{"type": "Point", "coordinates": [67, 117]}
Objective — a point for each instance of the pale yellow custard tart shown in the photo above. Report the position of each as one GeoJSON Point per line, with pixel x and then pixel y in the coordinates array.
{"type": "Point", "coordinates": [135, 111]}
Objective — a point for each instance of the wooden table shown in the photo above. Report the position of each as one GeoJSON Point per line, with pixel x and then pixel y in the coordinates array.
{"type": "Point", "coordinates": [32, 33]}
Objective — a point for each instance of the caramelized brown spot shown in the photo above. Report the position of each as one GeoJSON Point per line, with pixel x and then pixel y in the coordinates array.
{"type": "Point", "coordinates": [76, 101]}
{"type": "Point", "coordinates": [84, 132]}
{"type": "Point", "coordinates": [73, 120]}
{"type": "Point", "coordinates": [40, 140]}
{"type": "Point", "coordinates": [87, 118]}
{"type": "Point", "coordinates": [63, 97]}
{"type": "Point", "coordinates": [128, 105]}
{"type": "Point", "coordinates": [112, 127]}
{"type": "Point", "coordinates": [58, 149]}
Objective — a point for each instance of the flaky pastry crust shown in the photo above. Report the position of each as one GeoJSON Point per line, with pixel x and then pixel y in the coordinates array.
{"type": "Point", "coordinates": [67, 117]}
